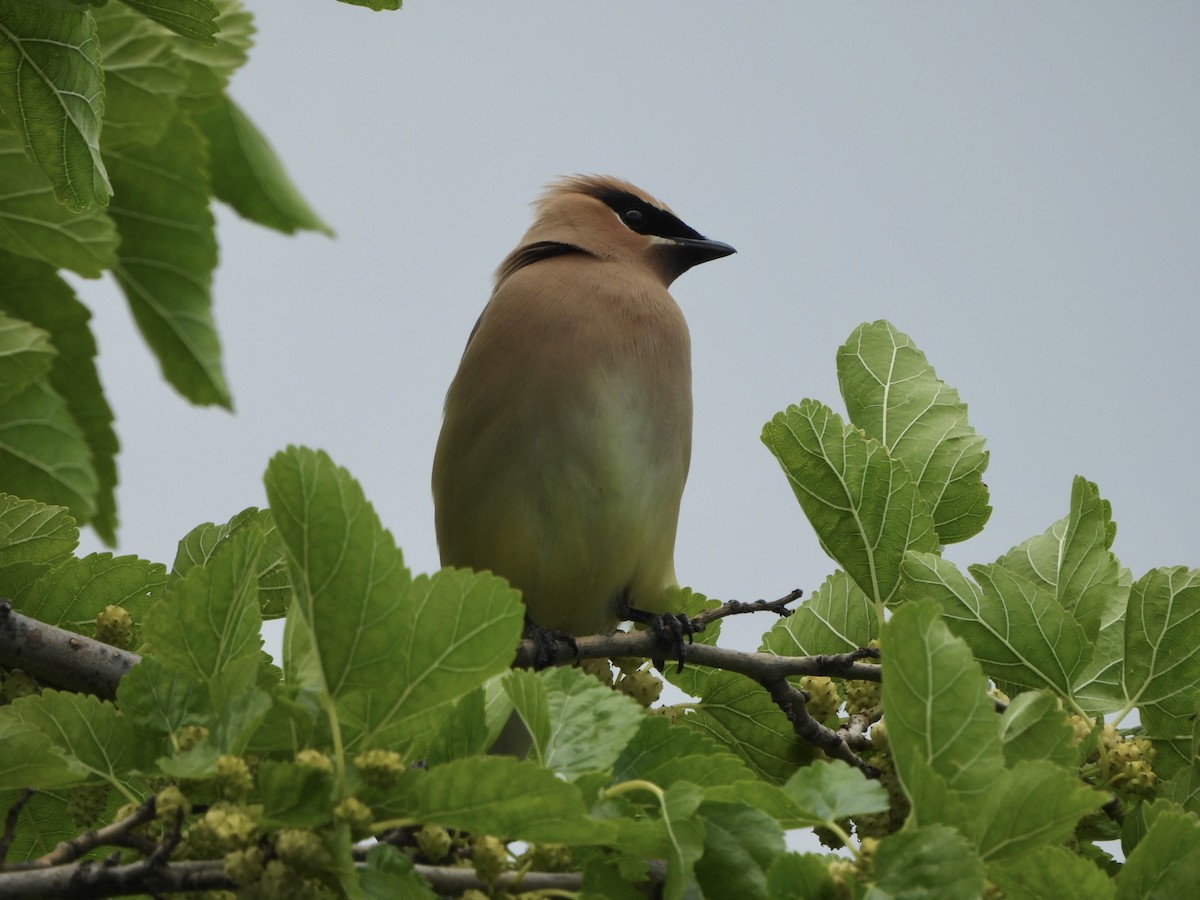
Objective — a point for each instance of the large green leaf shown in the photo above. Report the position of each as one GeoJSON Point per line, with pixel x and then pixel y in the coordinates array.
{"type": "Point", "coordinates": [44, 454]}
{"type": "Point", "coordinates": [590, 723]}
{"type": "Point", "coordinates": [452, 632]}
{"type": "Point", "coordinates": [741, 716]}
{"type": "Point", "coordinates": [167, 256]}
{"type": "Point", "coordinates": [503, 796]}
{"type": "Point", "coordinates": [193, 19]}
{"type": "Point", "coordinates": [274, 581]}
{"type": "Point", "coordinates": [940, 720]}
{"type": "Point", "coordinates": [1166, 862]}
{"type": "Point", "coordinates": [88, 734]}
{"type": "Point", "coordinates": [35, 292]}
{"type": "Point", "coordinates": [209, 621]}
{"type": "Point", "coordinates": [864, 505]}
{"type": "Point", "coordinates": [1162, 646]}
{"type": "Point", "coordinates": [930, 863]}
{"type": "Point", "coordinates": [249, 176]}
{"type": "Point", "coordinates": [34, 224]}
{"type": "Point", "coordinates": [1017, 631]}
{"type": "Point", "coordinates": [26, 355]}
{"type": "Point", "coordinates": [826, 792]}
{"type": "Point", "coordinates": [1050, 873]}
{"type": "Point", "coordinates": [73, 592]}
{"type": "Point", "coordinates": [208, 67]}
{"type": "Point", "coordinates": [893, 394]}
{"type": "Point", "coordinates": [143, 75]}
{"type": "Point", "coordinates": [837, 618]}
{"type": "Point", "coordinates": [1072, 561]}
{"type": "Point", "coordinates": [347, 572]}
{"type": "Point", "coordinates": [34, 538]}
{"type": "Point", "coordinates": [52, 90]}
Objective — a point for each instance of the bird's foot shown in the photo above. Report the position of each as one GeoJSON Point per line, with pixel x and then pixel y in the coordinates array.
{"type": "Point", "coordinates": [669, 628]}
{"type": "Point", "coordinates": [547, 643]}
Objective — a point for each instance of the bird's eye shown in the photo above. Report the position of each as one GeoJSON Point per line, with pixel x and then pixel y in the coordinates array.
{"type": "Point", "coordinates": [634, 218]}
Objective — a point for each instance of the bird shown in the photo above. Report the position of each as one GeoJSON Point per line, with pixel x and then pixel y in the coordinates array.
{"type": "Point", "coordinates": [567, 429]}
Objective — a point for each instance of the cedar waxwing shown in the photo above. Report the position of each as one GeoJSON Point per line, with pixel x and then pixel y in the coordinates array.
{"type": "Point", "coordinates": [568, 427]}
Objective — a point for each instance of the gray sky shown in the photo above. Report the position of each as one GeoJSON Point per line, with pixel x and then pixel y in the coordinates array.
{"type": "Point", "coordinates": [1015, 186]}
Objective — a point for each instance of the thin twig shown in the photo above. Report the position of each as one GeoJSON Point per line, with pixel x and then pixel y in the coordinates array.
{"type": "Point", "coordinates": [791, 700]}
{"type": "Point", "coordinates": [739, 607]}
{"type": "Point", "coordinates": [10, 822]}
{"type": "Point", "coordinates": [73, 849]}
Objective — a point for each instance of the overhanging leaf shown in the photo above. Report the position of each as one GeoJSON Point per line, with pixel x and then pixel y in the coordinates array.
{"type": "Point", "coordinates": [52, 89]}
{"type": "Point", "coordinates": [249, 176]}
{"type": "Point", "coordinates": [193, 19]}
{"type": "Point", "coordinates": [44, 454]}
{"type": "Point", "coordinates": [34, 292]}
{"type": "Point", "coordinates": [34, 224]}
{"type": "Point", "coordinates": [167, 256]}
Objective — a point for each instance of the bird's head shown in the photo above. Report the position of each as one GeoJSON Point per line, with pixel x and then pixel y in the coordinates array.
{"type": "Point", "coordinates": [612, 219]}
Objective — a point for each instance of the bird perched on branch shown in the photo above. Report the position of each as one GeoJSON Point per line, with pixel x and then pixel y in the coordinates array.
{"type": "Point", "coordinates": [568, 427]}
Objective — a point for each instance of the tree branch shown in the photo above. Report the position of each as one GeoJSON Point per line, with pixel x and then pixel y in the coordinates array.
{"type": "Point", "coordinates": [59, 657]}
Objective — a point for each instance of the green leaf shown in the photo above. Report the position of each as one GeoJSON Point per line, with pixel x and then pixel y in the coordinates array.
{"type": "Point", "coordinates": [1017, 631]}
{"type": "Point", "coordinates": [52, 90]}
{"type": "Point", "coordinates": [193, 19]}
{"type": "Point", "coordinates": [1166, 862]}
{"type": "Point", "coordinates": [35, 293]}
{"type": "Point", "coordinates": [939, 717]}
{"type": "Point", "coordinates": [662, 755]}
{"type": "Point", "coordinates": [826, 792]}
{"type": "Point", "coordinates": [1162, 647]}
{"type": "Point", "coordinates": [26, 355]}
{"type": "Point", "coordinates": [389, 875]}
{"type": "Point", "coordinates": [72, 593]}
{"type": "Point", "coordinates": [741, 716]}
{"type": "Point", "coordinates": [29, 757]}
{"type": "Point", "coordinates": [347, 572]}
{"type": "Point", "coordinates": [1034, 803]}
{"type": "Point", "coordinates": [43, 453]}
{"type": "Point", "coordinates": [34, 538]}
{"type": "Point", "coordinates": [837, 618]}
{"type": "Point", "coordinates": [477, 620]}
{"type": "Point", "coordinates": [1050, 873]}
{"type": "Point", "coordinates": [864, 506]}
{"type": "Point", "coordinates": [89, 734]}
{"type": "Point", "coordinates": [274, 580]}
{"type": "Point", "coordinates": [685, 837]}
{"type": "Point", "coordinates": [505, 797]}
{"type": "Point", "coordinates": [34, 224]}
{"type": "Point", "coordinates": [926, 864]}
{"type": "Point", "coordinates": [295, 796]}
{"type": "Point", "coordinates": [249, 176]}
{"type": "Point", "coordinates": [893, 394]}
{"type": "Point", "coordinates": [1034, 727]}
{"type": "Point", "coordinates": [161, 700]}
{"type": "Point", "coordinates": [1072, 562]}
{"type": "Point", "coordinates": [796, 876]}
{"type": "Point", "coordinates": [376, 4]}
{"type": "Point", "coordinates": [1183, 788]}
{"type": "Point", "coordinates": [590, 724]}
{"type": "Point", "coordinates": [143, 76]}
{"type": "Point", "coordinates": [740, 844]}
{"type": "Point", "coordinates": [462, 733]}
{"type": "Point", "coordinates": [210, 621]}
{"type": "Point", "coordinates": [209, 66]}
{"type": "Point", "coordinates": [531, 700]}
{"type": "Point", "coordinates": [167, 256]}
{"type": "Point", "coordinates": [1100, 685]}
